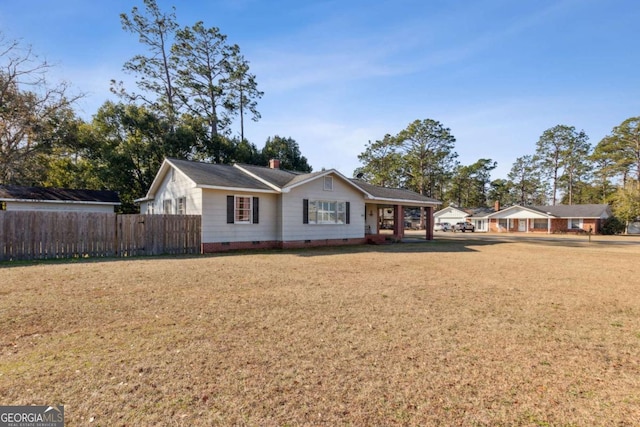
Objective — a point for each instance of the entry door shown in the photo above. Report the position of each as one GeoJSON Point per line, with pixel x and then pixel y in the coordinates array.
{"type": "Point", "coordinates": [522, 225]}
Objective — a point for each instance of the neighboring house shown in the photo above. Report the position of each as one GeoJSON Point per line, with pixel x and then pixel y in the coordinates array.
{"type": "Point", "coordinates": [245, 206]}
{"type": "Point", "coordinates": [453, 215]}
{"type": "Point", "coordinates": [633, 227]}
{"type": "Point", "coordinates": [549, 219]}
{"type": "Point", "coordinates": [450, 214]}
{"type": "Point", "coordinates": [17, 198]}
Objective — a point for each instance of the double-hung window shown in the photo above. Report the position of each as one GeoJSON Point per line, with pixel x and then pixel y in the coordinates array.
{"type": "Point", "coordinates": [242, 210]}
{"type": "Point", "coordinates": [181, 206]}
{"type": "Point", "coordinates": [242, 213]}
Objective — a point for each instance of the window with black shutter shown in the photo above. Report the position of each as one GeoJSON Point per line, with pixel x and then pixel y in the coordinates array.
{"type": "Point", "coordinates": [347, 213]}
{"type": "Point", "coordinates": [230, 209]}
{"type": "Point", "coordinates": [256, 210]}
{"type": "Point", "coordinates": [243, 210]}
{"type": "Point", "coordinates": [305, 211]}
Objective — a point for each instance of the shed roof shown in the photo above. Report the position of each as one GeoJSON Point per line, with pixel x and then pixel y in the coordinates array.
{"type": "Point", "coordinates": [24, 194]}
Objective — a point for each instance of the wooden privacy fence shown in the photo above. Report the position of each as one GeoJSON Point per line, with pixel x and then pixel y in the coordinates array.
{"type": "Point", "coordinates": [158, 234]}
{"type": "Point", "coordinates": [28, 235]}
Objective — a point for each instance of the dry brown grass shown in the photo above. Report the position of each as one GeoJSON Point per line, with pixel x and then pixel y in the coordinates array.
{"type": "Point", "coordinates": [440, 333]}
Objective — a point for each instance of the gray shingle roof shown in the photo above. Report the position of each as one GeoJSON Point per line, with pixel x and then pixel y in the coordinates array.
{"type": "Point", "coordinates": [15, 192]}
{"type": "Point", "coordinates": [573, 211]}
{"type": "Point", "coordinates": [304, 177]}
{"type": "Point", "coordinates": [393, 193]}
{"type": "Point", "coordinates": [217, 175]}
{"type": "Point", "coordinates": [277, 177]}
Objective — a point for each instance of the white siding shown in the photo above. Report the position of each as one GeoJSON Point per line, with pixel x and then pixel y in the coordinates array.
{"type": "Point", "coordinates": [634, 227]}
{"type": "Point", "coordinates": [58, 207]}
{"type": "Point", "coordinates": [214, 218]}
{"type": "Point", "coordinates": [292, 205]}
{"type": "Point", "coordinates": [517, 213]}
{"type": "Point", "coordinates": [173, 189]}
{"type": "Point", "coordinates": [450, 215]}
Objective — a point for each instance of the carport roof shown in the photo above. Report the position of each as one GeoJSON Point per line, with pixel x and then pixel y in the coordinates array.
{"type": "Point", "coordinates": [395, 194]}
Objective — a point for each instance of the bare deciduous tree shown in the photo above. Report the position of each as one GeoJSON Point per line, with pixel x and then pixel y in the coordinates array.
{"type": "Point", "coordinates": [30, 109]}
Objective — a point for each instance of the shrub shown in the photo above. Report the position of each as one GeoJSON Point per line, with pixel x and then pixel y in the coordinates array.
{"type": "Point", "coordinates": [612, 225]}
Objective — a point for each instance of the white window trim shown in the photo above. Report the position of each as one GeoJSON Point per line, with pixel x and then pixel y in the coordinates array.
{"type": "Point", "coordinates": [340, 212]}
{"type": "Point", "coordinates": [181, 200]}
{"type": "Point", "coordinates": [235, 209]}
{"type": "Point", "coordinates": [570, 223]}
{"type": "Point", "coordinates": [328, 183]}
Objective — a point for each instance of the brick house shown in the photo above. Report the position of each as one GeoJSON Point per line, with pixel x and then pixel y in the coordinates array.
{"type": "Point", "coordinates": [549, 219]}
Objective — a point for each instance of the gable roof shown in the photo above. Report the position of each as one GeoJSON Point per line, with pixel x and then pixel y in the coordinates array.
{"type": "Point", "coordinates": [15, 193]}
{"type": "Point", "coordinates": [450, 207]}
{"type": "Point", "coordinates": [562, 211]}
{"type": "Point", "coordinates": [217, 175]}
{"type": "Point", "coordinates": [265, 179]}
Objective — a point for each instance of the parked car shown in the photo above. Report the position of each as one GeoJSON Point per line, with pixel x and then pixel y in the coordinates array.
{"type": "Point", "coordinates": [442, 226]}
{"type": "Point", "coordinates": [464, 226]}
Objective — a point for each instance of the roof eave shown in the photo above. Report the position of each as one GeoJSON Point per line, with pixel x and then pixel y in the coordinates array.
{"type": "Point", "coordinates": [244, 189]}
{"type": "Point", "coordinates": [157, 180]}
{"type": "Point", "coordinates": [405, 202]}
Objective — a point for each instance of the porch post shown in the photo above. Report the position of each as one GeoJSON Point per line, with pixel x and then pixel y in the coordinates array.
{"type": "Point", "coordinates": [398, 221]}
{"type": "Point", "coordinates": [429, 223]}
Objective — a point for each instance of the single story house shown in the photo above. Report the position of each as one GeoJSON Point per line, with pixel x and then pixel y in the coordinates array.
{"type": "Point", "coordinates": [246, 206]}
{"type": "Point", "coordinates": [450, 214]}
{"type": "Point", "coordinates": [549, 219]}
{"type": "Point", "coordinates": [18, 198]}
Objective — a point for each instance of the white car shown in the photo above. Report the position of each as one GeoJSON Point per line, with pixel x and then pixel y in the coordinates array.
{"type": "Point", "coordinates": [442, 226]}
{"type": "Point", "coordinates": [464, 226]}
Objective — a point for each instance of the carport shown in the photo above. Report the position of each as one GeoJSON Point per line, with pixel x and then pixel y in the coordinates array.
{"type": "Point", "coordinates": [376, 209]}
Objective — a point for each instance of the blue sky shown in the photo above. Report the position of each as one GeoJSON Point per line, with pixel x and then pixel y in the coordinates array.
{"type": "Point", "coordinates": [337, 74]}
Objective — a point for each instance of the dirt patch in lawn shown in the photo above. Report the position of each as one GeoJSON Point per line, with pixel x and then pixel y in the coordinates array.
{"type": "Point", "coordinates": [438, 333]}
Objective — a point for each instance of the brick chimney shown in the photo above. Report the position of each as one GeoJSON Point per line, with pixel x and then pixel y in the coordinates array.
{"type": "Point", "coordinates": [496, 206]}
{"type": "Point", "coordinates": [274, 164]}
